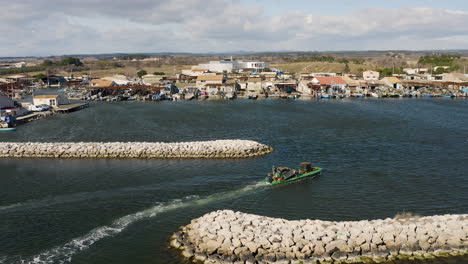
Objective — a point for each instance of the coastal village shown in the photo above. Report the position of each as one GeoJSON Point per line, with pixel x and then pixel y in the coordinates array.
{"type": "Point", "coordinates": [21, 99]}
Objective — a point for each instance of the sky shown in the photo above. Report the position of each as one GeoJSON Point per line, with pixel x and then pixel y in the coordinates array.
{"type": "Point", "coordinates": [58, 27]}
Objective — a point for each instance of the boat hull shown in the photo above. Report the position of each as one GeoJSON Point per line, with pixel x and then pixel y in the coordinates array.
{"type": "Point", "coordinates": [311, 174]}
{"type": "Point", "coordinates": [7, 129]}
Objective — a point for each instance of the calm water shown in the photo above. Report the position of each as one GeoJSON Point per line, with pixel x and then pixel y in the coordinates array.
{"type": "Point", "coordinates": [380, 157]}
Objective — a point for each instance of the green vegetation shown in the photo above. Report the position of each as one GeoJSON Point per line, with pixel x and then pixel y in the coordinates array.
{"type": "Point", "coordinates": [358, 61]}
{"type": "Point", "coordinates": [21, 70]}
{"type": "Point", "coordinates": [386, 72]}
{"type": "Point", "coordinates": [159, 73]}
{"type": "Point", "coordinates": [323, 58]}
{"type": "Point", "coordinates": [70, 61]}
{"type": "Point", "coordinates": [133, 56]}
{"type": "Point", "coordinates": [39, 76]}
{"type": "Point", "coordinates": [141, 73]}
{"type": "Point", "coordinates": [438, 60]}
{"type": "Point", "coordinates": [343, 60]}
{"type": "Point", "coordinates": [64, 62]}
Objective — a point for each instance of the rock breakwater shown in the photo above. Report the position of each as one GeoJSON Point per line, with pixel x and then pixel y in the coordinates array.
{"type": "Point", "coordinates": [198, 149]}
{"type": "Point", "coordinates": [234, 237]}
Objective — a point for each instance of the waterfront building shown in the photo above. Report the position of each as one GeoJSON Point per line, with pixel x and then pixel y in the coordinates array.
{"type": "Point", "coordinates": [98, 83]}
{"type": "Point", "coordinates": [415, 70]}
{"type": "Point", "coordinates": [151, 79]}
{"type": "Point", "coordinates": [322, 74]}
{"type": "Point", "coordinates": [48, 99]}
{"type": "Point", "coordinates": [196, 72]}
{"type": "Point", "coordinates": [229, 65]}
{"type": "Point", "coordinates": [203, 80]}
{"type": "Point", "coordinates": [118, 79]}
{"type": "Point", "coordinates": [370, 75]}
{"type": "Point", "coordinates": [269, 76]}
{"type": "Point", "coordinates": [392, 82]}
{"type": "Point", "coordinates": [352, 86]}
{"type": "Point", "coordinates": [332, 82]}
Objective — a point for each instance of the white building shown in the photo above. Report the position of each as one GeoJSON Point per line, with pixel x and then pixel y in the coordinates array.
{"type": "Point", "coordinates": [370, 75]}
{"type": "Point", "coordinates": [118, 79]}
{"type": "Point", "coordinates": [228, 65]}
{"type": "Point", "coordinates": [415, 70]}
{"type": "Point", "coordinates": [51, 100]}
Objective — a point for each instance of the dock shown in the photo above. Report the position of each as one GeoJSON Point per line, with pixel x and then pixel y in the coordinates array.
{"type": "Point", "coordinates": [33, 116]}
{"type": "Point", "coordinates": [70, 107]}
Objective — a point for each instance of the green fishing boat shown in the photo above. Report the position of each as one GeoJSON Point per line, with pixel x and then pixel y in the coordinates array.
{"type": "Point", "coordinates": [281, 175]}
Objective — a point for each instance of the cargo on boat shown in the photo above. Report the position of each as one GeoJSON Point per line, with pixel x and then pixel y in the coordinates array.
{"type": "Point", "coordinates": [282, 174]}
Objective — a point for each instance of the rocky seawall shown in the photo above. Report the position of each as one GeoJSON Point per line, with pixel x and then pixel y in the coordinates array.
{"type": "Point", "coordinates": [200, 149]}
{"type": "Point", "coordinates": [234, 237]}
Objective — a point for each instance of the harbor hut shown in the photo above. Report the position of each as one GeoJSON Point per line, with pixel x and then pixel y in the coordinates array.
{"type": "Point", "coordinates": [203, 80]}
{"type": "Point", "coordinates": [151, 79]}
{"type": "Point", "coordinates": [330, 84]}
{"type": "Point", "coordinates": [118, 79]}
{"type": "Point", "coordinates": [352, 86]}
{"type": "Point", "coordinates": [255, 84]}
{"type": "Point", "coordinates": [48, 99]}
{"type": "Point", "coordinates": [392, 82]}
{"type": "Point", "coordinates": [269, 76]}
{"type": "Point", "coordinates": [99, 83]}
{"type": "Point", "coordinates": [304, 88]}
{"type": "Point", "coordinates": [370, 75]}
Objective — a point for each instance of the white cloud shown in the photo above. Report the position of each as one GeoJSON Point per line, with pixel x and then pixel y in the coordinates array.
{"type": "Point", "coordinates": [40, 27]}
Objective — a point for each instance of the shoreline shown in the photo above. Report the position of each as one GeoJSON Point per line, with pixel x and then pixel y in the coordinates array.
{"type": "Point", "coordinates": [233, 237]}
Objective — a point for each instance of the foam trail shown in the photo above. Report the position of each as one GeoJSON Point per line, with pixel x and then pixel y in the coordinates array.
{"type": "Point", "coordinates": [10, 206]}
{"type": "Point", "coordinates": [64, 253]}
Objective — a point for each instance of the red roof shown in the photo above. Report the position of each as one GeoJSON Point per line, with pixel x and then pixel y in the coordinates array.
{"type": "Point", "coordinates": [330, 80]}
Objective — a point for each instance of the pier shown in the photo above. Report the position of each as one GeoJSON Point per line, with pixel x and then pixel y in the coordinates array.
{"type": "Point", "coordinates": [234, 237]}
{"type": "Point", "coordinates": [197, 149]}
{"type": "Point", "coordinates": [70, 107]}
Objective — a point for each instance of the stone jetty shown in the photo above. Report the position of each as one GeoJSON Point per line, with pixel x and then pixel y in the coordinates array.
{"type": "Point", "coordinates": [199, 149]}
{"type": "Point", "coordinates": [234, 237]}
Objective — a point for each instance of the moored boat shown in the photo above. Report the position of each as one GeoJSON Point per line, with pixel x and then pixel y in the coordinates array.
{"type": "Point", "coordinates": [6, 129]}
{"type": "Point", "coordinates": [281, 175]}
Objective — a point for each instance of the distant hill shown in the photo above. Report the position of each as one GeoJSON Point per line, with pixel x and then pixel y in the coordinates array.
{"type": "Point", "coordinates": [367, 53]}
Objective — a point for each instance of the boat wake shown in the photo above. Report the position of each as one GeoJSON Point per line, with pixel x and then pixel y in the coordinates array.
{"type": "Point", "coordinates": [65, 252]}
{"type": "Point", "coordinates": [75, 197]}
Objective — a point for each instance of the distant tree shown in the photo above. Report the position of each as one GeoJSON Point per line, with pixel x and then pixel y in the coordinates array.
{"type": "Point", "coordinates": [70, 61]}
{"type": "Point", "coordinates": [385, 72]}
{"type": "Point", "coordinates": [439, 70]}
{"type": "Point", "coordinates": [39, 76]}
{"type": "Point", "coordinates": [438, 59]}
{"type": "Point", "coordinates": [47, 63]}
{"type": "Point", "coordinates": [346, 68]}
{"type": "Point", "coordinates": [343, 60]}
{"type": "Point", "coordinates": [358, 61]}
{"type": "Point", "coordinates": [159, 73]}
{"type": "Point", "coordinates": [141, 73]}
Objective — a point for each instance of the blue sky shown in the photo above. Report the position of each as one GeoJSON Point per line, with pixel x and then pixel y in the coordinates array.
{"type": "Point", "coordinates": [56, 27]}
